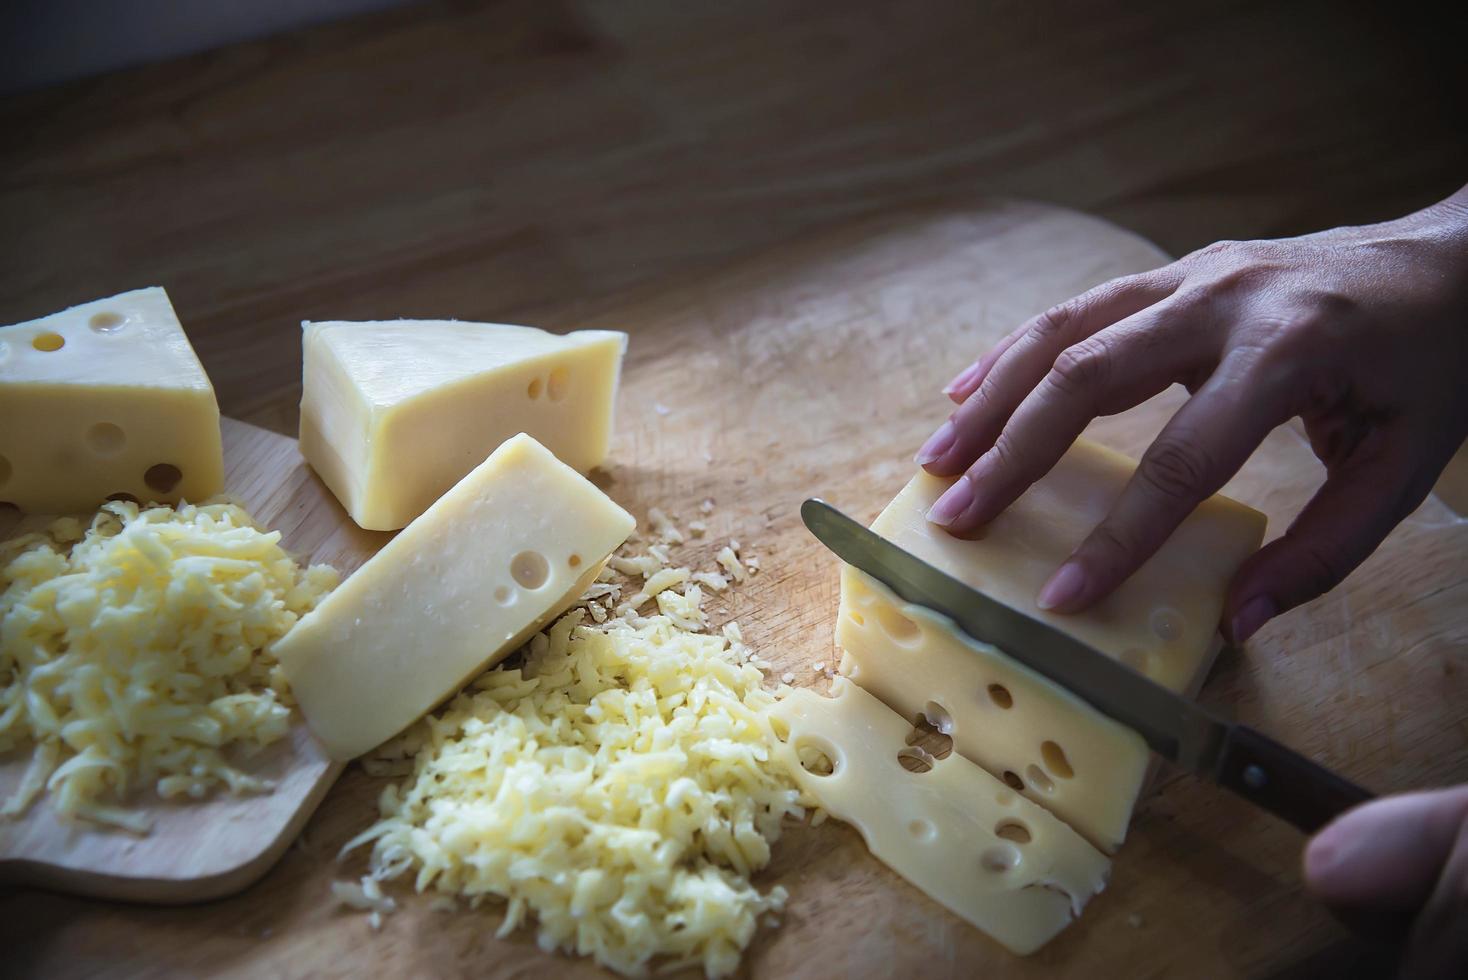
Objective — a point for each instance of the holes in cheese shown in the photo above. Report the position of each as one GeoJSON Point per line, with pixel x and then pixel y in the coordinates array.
{"type": "Point", "coordinates": [938, 828]}
{"type": "Point", "coordinates": [574, 561]}
{"type": "Point", "coordinates": [106, 439]}
{"type": "Point", "coordinates": [1014, 830]}
{"type": "Point", "coordinates": [394, 413]}
{"type": "Point", "coordinates": [106, 321]}
{"type": "Point", "coordinates": [392, 642]}
{"type": "Point", "coordinates": [915, 758]}
{"type": "Point", "coordinates": [817, 756]}
{"type": "Point", "coordinates": [1000, 858]}
{"type": "Point", "coordinates": [1055, 759]}
{"type": "Point", "coordinates": [503, 595]}
{"type": "Point", "coordinates": [1162, 621]}
{"type": "Point", "coordinates": [937, 716]}
{"type": "Point", "coordinates": [530, 570]}
{"type": "Point", "coordinates": [86, 410]}
{"type": "Point", "coordinates": [1038, 779]}
{"type": "Point", "coordinates": [896, 625]}
{"type": "Point", "coordinates": [162, 477]}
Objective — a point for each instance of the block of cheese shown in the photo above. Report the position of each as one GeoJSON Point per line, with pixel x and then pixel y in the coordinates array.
{"type": "Point", "coordinates": [964, 838]}
{"type": "Point", "coordinates": [492, 561]}
{"type": "Point", "coordinates": [1037, 737]}
{"type": "Point", "coordinates": [1162, 621]}
{"type": "Point", "coordinates": [106, 399]}
{"type": "Point", "coordinates": [393, 413]}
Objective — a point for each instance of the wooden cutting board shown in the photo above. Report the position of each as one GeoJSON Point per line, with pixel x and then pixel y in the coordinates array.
{"type": "Point", "coordinates": [202, 850]}
{"type": "Point", "coordinates": [815, 370]}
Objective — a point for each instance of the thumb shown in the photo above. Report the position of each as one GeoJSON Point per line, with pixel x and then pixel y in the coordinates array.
{"type": "Point", "coordinates": [1387, 854]}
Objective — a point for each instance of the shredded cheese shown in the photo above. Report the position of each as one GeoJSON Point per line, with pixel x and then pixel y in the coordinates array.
{"type": "Point", "coordinates": [616, 788]}
{"type": "Point", "coordinates": [137, 652]}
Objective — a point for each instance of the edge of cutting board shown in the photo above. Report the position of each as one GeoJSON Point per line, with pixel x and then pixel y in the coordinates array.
{"type": "Point", "coordinates": [207, 849]}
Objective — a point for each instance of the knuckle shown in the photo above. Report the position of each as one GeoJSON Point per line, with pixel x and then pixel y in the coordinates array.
{"type": "Point", "coordinates": [1176, 469]}
{"type": "Point", "coordinates": [1319, 570]}
{"type": "Point", "coordinates": [1110, 546]}
{"type": "Point", "coordinates": [1081, 368]}
{"type": "Point", "coordinates": [1059, 320]}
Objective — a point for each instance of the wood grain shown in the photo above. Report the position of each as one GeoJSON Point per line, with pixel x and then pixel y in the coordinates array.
{"type": "Point", "coordinates": [526, 160]}
{"type": "Point", "coordinates": [816, 370]}
{"type": "Point", "coordinates": [202, 850]}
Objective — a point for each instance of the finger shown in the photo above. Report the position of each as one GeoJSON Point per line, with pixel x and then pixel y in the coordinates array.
{"type": "Point", "coordinates": [1387, 854]}
{"type": "Point", "coordinates": [1194, 455]}
{"type": "Point", "coordinates": [1438, 944]}
{"type": "Point", "coordinates": [1352, 512]}
{"type": "Point", "coordinates": [1109, 372]}
{"type": "Point", "coordinates": [969, 379]}
{"type": "Point", "coordinates": [972, 429]}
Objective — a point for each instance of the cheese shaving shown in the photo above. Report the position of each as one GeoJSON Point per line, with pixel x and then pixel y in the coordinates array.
{"type": "Point", "coordinates": [137, 652]}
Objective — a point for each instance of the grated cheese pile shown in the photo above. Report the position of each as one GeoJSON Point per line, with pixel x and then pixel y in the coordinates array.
{"type": "Point", "coordinates": [136, 653]}
{"type": "Point", "coordinates": [618, 786]}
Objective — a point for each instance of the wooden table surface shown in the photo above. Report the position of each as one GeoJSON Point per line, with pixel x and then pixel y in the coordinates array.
{"type": "Point", "coordinates": [537, 162]}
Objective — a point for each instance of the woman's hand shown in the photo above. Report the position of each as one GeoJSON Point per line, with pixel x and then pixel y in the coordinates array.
{"type": "Point", "coordinates": [1362, 332]}
{"type": "Point", "coordinates": [1398, 868]}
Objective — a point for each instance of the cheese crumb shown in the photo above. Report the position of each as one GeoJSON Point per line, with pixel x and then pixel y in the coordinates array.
{"type": "Point", "coordinates": [788, 677]}
{"type": "Point", "coordinates": [137, 652]}
{"type": "Point", "coordinates": [617, 788]}
{"type": "Point", "coordinates": [820, 666]}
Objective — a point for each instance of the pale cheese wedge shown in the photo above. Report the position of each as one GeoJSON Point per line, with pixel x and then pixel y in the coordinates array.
{"type": "Point", "coordinates": [1162, 621]}
{"type": "Point", "coordinates": [106, 399]}
{"type": "Point", "coordinates": [492, 561]}
{"type": "Point", "coordinates": [964, 838]}
{"type": "Point", "coordinates": [395, 412]}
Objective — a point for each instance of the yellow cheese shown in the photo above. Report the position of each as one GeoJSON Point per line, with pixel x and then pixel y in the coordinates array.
{"type": "Point", "coordinates": [986, 853]}
{"type": "Point", "coordinates": [394, 413]}
{"type": "Point", "coordinates": [138, 653]}
{"type": "Point", "coordinates": [510, 546]}
{"type": "Point", "coordinates": [106, 399]}
{"type": "Point", "coordinates": [1084, 767]}
{"type": "Point", "coordinates": [1162, 621]}
{"type": "Point", "coordinates": [616, 790]}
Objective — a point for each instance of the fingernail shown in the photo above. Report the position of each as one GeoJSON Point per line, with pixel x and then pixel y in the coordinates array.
{"type": "Point", "coordinates": [1064, 587]}
{"type": "Point", "coordinates": [938, 443]}
{"type": "Point", "coordinates": [963, 378]}
{"type": "Point", "coordinates": [1254, 614]}
{"type": "Point", "coordinates": [955, 501]}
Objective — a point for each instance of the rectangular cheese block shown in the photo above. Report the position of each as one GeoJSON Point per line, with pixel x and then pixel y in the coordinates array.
{"type": "Point", "coordinates": [105, 400]}
{"type": "Point", "coordinates": [1162, 621]}
{"type": "Point", "coordinates": [968, 841]}
{"type": "Point", "coordinates": [492, 561]}
{"type": "Point", "coordinates": [393, 413]}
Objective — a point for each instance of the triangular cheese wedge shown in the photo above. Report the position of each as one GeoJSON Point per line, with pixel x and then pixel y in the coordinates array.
{"type": "Point", "coordinates": [395, 412]}
{"type": "Point", "coordinates": [106, 399]}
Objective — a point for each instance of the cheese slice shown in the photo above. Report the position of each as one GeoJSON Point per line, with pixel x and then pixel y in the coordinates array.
{"type": "Point", "coordinates": [494, 559]}
{"type": "Point", "coordinates": [968, 841]}
{"type": "Point", "coordinates": [1034, 735]}
{"type": "Point", "coordinates": [394, 413]}
{"type": "Point", "coordinates": [1162, 621]}
{"type": "Point", "coordinates": [106, 399]}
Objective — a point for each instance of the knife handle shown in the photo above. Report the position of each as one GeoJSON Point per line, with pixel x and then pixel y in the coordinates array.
{"type": "Point", "coordinates": [1283, 781]}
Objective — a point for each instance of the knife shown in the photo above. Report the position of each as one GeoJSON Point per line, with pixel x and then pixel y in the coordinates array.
{"type": "Point", "coordinates": [1254, 766]}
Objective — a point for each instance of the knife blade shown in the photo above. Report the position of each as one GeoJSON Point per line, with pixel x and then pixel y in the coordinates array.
{"type": "Point", "coordinates": [1245, 761]}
